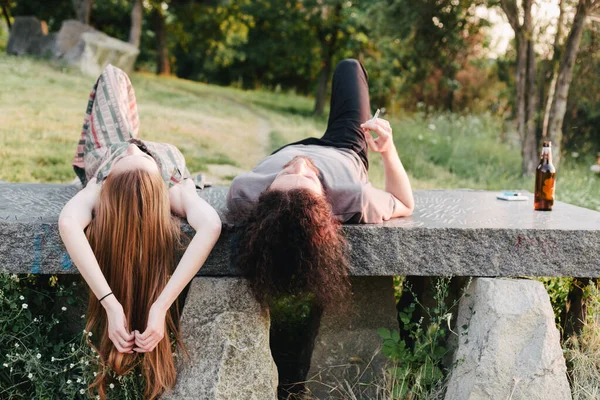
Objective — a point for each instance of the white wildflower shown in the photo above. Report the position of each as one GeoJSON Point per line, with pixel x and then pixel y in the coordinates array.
{"type": "Point", "coordinates": [52, 359]}
{"type": "Point", "coordinates": [112, 386]}
{"type": "Point", "coordinates": [35, 319]}
{"type": "Point", "coordinates": [95, 373]}
{"type": "Point", "coordinates": [17, 345]}
{"type": "Point", "coordinates": [68, 381]}
{"type": "Point", "coordinates": [38, 355]}
{"type": "Point", "coordinates": [30, 375]}
{"type": "Point", "coordinates": [21, 297]}
{"type": "Point", "coordinates": [78, 380]}
{"type": "Point", "coordinates": [90, 333]}
{"type": "Point", "coordinates": [5, 365]}
{"type": "Point", "coordinates": [64, 308]}
{"type": "Point", "coordinates": [82, 316]}
{"type": "Point", "coordinates": [24, 305]}
{"type": "Point", "coordinates": [71, 365]}
{"type": "Point", "coordinates": [82, 391]}
{"type": "Point", "coordinates": [420, 137]}
{"type": "Point", "coordinates": [431, 127]}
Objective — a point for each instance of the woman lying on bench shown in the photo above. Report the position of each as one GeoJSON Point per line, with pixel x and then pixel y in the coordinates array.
{"type": "Point", "coordinates": [121, 235]}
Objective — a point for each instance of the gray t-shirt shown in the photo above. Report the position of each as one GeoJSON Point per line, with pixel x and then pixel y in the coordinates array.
{"type": "Point", "coordinates": [341, 172]}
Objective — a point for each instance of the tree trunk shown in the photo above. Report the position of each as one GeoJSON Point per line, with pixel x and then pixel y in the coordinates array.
{"type": "Point", "coordinates": [530, 141]}
{"type": "Point", "coordinates": [162, 52]}
{"type": "Point", "coordinates": [563, 83]}
{"type": "Point", "coordinates": [135, 32]}
{"type": "Point", "coordinates": [324, 75]}
{"type": "Point", "coordinates": [83, 10]}
{"type": "Point", "coordinates": [6, 14]}
{"type": "Point", "coordinates": [524, 80]}
{"type": "Point", "coordinates": [328, 40]}
{"type": "Point", "coordinates": [554, 67]}
{"type": "Point", "coordinates": [574, 314]}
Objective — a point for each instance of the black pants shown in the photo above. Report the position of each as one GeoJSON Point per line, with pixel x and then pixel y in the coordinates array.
{"type": "Point", "coordinates": [349, 108]}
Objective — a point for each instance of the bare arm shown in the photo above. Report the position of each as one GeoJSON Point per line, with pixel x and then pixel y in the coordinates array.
{"type": "Point", "coordinates": [74, 218]}
{"type": "Point", "coordinates": [396, 179]}
{"type": "Point", "coordinates": [207, 224]}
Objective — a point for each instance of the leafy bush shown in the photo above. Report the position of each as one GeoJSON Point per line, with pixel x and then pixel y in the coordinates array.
{"type": "Point", "coordinates": [45, 351]}
{"type": "Point", "coordinates": [418, 370]}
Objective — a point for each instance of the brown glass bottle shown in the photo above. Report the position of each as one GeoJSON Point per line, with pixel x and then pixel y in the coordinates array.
{"type": "Point", "coordinates": [545, 175]}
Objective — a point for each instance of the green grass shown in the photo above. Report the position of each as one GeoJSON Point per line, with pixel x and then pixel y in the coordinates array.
{"type": "Point", "coordinates": [42, 106]}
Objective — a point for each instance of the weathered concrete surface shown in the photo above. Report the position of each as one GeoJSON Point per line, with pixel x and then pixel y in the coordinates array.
{"type": "Point", "coordinates": [347, 346]}
{"type": "Point", "coordinates": [452, 232]}
{"type": "Point", "coordinates": [511, 347]}
{"type": "Point", "coordinates": [227, 336]}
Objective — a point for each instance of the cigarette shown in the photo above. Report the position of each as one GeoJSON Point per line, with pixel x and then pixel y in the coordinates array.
{"type": "Point", "coordinates": [376, 115]}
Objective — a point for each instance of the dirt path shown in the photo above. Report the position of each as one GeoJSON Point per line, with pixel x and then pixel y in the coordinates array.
{"type": "Point", "coordinates": [219, 174]}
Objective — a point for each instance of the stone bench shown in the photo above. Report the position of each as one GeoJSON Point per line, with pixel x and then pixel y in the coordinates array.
{"type": "Point", "coordinates": [452, 232]}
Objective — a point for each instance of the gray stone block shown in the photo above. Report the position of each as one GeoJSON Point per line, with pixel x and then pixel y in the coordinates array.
{"type": "Point", "coordinates": [511, 347]}
{"type": "Point", "coordinates": [452, 232]}
{"type": "Point", "coordinates": [99, 50]}
{"type": "Point", "coordinates": [23, 32]}
{"type": "Point", "coordinates": [69, 35]}
{"type": "Point", "coordinates": [347, 345]}
{"type": "Point", "coordinates": [227, 336]}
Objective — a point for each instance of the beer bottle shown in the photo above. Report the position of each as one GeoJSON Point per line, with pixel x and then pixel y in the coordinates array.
{"type": "Point", "coordinates": [544, 180]}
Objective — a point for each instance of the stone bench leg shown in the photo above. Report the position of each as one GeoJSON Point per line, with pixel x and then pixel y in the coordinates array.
{"type": "Point", "coordinates": [510, 347]}
{"type": "Point", "coordinates": [347, 342]}
{"type": "Point", "coordinates": [227, 337]}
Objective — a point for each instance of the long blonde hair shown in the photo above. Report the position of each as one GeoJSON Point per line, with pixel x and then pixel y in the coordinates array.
{"type": "Point", "coordinates": [135, 239]}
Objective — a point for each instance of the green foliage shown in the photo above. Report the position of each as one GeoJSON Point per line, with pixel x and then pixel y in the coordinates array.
{"type": "Point", "coordinates": [582, 120]}
{"type": "Point", "coordinates": [43, 354]}
{"type": "Point", "coordinates": [558, 290]}
{"type": "Point", "coordinates": [583, 352]}
{"type": "Point", "coordinates": [419, 368]}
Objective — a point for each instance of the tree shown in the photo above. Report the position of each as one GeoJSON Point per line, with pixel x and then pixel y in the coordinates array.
{"type": "Point", "coordinates": [327, 32]}
{"type": "Point", "coordinates": [429, 41]}
{"type": "Point", "coordinates": [136, 24]}
{"type": "Point", "coordinates": [565, 75]}
{"type": "Point", "coordinates": [163, 67]}
{"type": "Point", "coordinates": [525, 80]}
{"type": "Point", "coordinates": [5, 6]}
{"type": "Point", "coordinates": [83, 9]}
{"type": "Point", "coordinates": [336, 24]}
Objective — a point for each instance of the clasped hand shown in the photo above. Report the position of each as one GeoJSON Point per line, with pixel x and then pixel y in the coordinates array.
{"type": "Point", "coordinates": [128, 342]}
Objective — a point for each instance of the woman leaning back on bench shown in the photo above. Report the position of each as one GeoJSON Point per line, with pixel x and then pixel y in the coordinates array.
{"type": "Point", "coordinates": [121, 233]}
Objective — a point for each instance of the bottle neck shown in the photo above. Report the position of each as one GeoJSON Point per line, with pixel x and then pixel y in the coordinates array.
{"type": "Point", "coordinates": [546, 155]}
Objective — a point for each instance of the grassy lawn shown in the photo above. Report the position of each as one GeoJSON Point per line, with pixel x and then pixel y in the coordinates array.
{"type": "Point", "coordinates": [223, 131]}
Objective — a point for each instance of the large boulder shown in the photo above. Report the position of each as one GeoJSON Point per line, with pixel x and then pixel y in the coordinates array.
{"type": "Point", "coordinates": [226, 333]}
{"type": "Point", "coordinates": [509, 347]}
{"type": "Point", "coordinates": [69, 36]}
{"type": "Point", "coordinates": [99, 50]}
{"type": "Point", "coordinates": [24, 31]}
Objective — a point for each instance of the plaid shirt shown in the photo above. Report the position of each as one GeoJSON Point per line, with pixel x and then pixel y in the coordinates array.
{"type": "Point", "coordinates": [111, 123]}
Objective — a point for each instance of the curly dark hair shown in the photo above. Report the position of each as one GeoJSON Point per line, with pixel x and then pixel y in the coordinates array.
{"type": "Point", "coordinates": [289, 242]}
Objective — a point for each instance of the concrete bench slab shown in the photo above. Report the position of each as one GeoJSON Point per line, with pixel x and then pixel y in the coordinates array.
{"type": "Point", "coordinates": [452, 232]}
